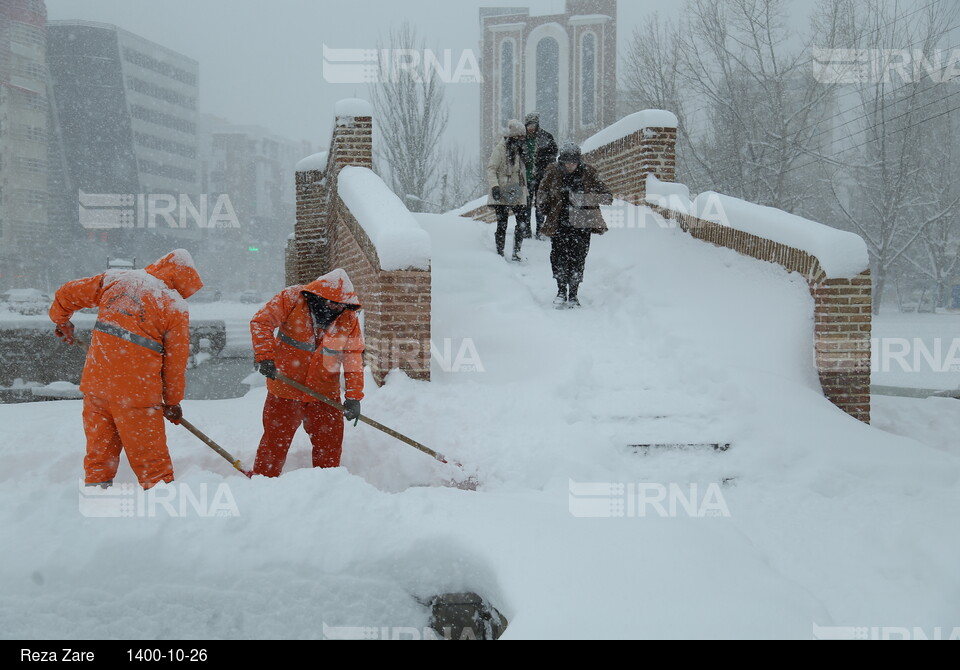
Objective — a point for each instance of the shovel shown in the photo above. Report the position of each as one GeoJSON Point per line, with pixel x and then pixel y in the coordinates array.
{"type": "Point", "coordinates": [216, 447]}
{"type": "Point", "coordinates": [470, 484]}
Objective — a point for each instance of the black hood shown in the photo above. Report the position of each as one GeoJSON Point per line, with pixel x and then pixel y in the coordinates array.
{"type": "Point", "coordinates": [321, 311]}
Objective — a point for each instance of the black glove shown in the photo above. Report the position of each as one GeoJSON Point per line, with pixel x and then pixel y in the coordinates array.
{"type": "Point", "coordinates": [268, 369]}
{"type": "Point", "coordinates": [495, 192]}
{"type": "Point", "coordinates": [173, 414]}
{"type": "Point", "coordinates": [351, 411]}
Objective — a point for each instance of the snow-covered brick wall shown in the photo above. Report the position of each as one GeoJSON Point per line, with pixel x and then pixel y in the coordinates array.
{"type": "Point", "coordinates": [636, 122]}
{"type": "Point", "coordinates": [347, 111]}
{"type": "Point", "coordinates": [400, 242]}
{"type": "Point", "coordinates": [351, 220]}
{"type": "Point", "coordinates": [668, 195]}
{"type": "Point", "coordinates": [842, 255]}
{"type": "Point", "coordinates": [842, 301]}
{"type": "Point", "coordinates": [632, 151]}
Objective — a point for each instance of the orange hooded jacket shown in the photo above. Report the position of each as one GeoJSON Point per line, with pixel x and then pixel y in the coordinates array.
{"type": "Point", "coordinates": [141, 343]}
{"type": "Point", "coordinates": [312, 358]}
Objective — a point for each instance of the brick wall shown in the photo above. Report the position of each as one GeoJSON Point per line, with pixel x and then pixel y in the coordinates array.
{"type": "Point", "coordinates": [842, 310]}
{"type": "Point", "coordinates": [625, 163]}
{"type": "Point", "coordinates": [396, 304]}
{"type": "Point", "coordinates": [843, 315]}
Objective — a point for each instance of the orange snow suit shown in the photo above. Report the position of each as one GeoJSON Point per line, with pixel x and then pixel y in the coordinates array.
{"type": "Point", "coordinates": [284, 332]}
{"type": "Point", "coordinates": [136, 363]}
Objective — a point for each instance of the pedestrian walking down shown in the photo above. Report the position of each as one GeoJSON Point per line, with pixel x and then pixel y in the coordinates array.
{"type": "Point", "coordinates": [507, 177]}
{"type": "Point", "coordinates": [309, 334]}
{"type": "Point", "coordinates": [135, 372]}
{"type": "Point", "coordinates": [571, 194]}
{"type": "Point", "coordinates": [541, 152]}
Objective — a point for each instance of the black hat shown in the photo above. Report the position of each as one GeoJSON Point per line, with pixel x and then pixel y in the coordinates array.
{"type": "Point", "coordinates": [570, 153]}
{"type": "Point", "coordinates": [532, 119]}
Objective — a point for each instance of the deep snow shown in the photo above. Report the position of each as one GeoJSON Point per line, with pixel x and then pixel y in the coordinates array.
{"type": "Point", "coordinates": [822, 521]}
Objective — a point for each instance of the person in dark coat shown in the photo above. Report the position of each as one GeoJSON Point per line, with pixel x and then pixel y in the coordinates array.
{"type": "Point", "coordinates": [570, 195]}
{"type": "Point", "coordinates": [541, 152]}
{"type": "Point", "coordinates": [507, 177]}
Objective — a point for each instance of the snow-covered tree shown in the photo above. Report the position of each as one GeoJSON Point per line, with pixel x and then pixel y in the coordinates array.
{"type": "Point", "coordinates": [887, 183]}
{"type": "Point", "coordinates": [411, 117]}
{"type": "Point", "coordinates": [738, 78]}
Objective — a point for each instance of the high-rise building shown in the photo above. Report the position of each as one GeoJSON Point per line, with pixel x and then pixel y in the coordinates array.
{"type": "Point", "coordinates": [126, 113]}
{"type": "Point", "coordinates": [255, 169]}
{"type": "Point", "coordinates": [23, 140]}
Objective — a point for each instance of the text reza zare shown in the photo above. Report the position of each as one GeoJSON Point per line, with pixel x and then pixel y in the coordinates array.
{"type": "Point", "coordinates": [64, 655]}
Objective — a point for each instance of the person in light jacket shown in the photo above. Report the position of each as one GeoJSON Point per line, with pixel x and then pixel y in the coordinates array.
{"type": "Point", "coordinates": [507, 177]}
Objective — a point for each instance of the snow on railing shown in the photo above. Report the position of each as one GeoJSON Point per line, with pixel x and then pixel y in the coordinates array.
{"type": "Point", "coordinates": [400, 242]}
{"type": "Point", "coordinates": [649, 118]}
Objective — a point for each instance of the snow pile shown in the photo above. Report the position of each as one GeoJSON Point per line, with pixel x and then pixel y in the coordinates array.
{"type": "Point", "coordinates": [842, 255]}
{"type": "Point", "coordinates": [650, 118]}
{"type": "Point", "coordinates": [400, 242]}
{"type": "Point", "coordinates": [471, 206]}
{"type": "Point", "coordinates": [668, 195]}
{"type": "Point", "coordinates": [812, 524]}
{"type": "Point", "coordinates": [353, 107]}
{"type": "Point", "coordinates": [316, 162]}
{"type": "Point", "coordinates": [58, 390]}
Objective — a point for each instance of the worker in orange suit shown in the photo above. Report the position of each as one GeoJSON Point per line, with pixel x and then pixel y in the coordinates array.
{"type": "Point", "coordinates": [309, 334]}
{"type": "Point", "coordinates": [134, 375]}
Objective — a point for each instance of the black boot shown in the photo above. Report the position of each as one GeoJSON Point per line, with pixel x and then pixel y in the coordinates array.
{"type": "Point", "coordinates": [572, 300]}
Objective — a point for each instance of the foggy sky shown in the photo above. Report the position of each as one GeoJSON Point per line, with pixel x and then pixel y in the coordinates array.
{"type": "Point", "coordinates": [261, 63]}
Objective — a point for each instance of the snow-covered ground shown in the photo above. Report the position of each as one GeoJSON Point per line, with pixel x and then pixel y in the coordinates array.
{"type": "Point", "coordinates": [811, 525]}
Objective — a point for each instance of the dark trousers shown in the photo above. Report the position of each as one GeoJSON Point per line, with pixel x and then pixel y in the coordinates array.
{"type": "Point", "coordinates": [532, 206]}
{"type": "Point", "coordinates": [503, 218]}
{"type": "Point", "coordinates": [568, 255]}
